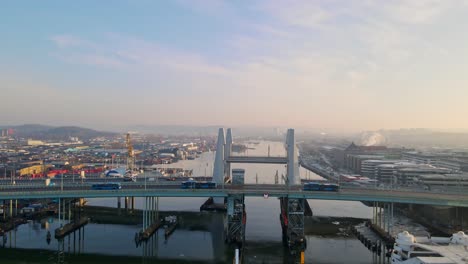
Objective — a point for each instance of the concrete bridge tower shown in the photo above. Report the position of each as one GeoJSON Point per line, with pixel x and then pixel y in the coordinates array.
{"type": "Point", "coordinates": [292, 172]}
{"type": "Point", "coordinates": [222, 167]}
{"type": "Point", "coordinates": [227, 153]}
{"type": "Point", "coordinates": [218, 168]}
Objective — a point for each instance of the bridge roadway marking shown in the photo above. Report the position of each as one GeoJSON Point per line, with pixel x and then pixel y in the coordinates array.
{"type": "Point", "coordinates": [248, 190]}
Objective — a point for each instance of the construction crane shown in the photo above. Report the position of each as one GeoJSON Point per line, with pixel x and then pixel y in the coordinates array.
{"type": "Point", "coordinates": [130, 155]}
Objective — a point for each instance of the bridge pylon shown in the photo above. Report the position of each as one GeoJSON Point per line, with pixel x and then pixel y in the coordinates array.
{"type": "Point", "coordinates": [292, 154]}
{"type": "Point", "coordinates": [224, 158]}
{"type": "Point", "coordinates": [292, 224]}
{"type": "Point", "coordinates": [218, 168]}
{"type": "Point", "coordinates": [227, 153]}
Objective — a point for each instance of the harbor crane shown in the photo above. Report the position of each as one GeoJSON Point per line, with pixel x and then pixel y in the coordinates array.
{"type": "Point", "coordinates": [130, 155]}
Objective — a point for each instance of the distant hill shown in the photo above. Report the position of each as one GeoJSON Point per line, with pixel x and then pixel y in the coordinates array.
{"type": "Point", "coordinates": [208, 130]}
{"type": "Point", "coordinates": [73, 131]}
{"type": "Point", "coordinates": [57, 133]}
{"type": "Point", "coordinates": [29, 128]}
{"type": "Point", "coordinates": [173, 129]}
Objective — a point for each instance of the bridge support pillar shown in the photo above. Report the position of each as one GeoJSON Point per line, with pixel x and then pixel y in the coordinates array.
{"type": "Point", "coordinates": [64, 209]}
{"type": "Point", "coordinates": [69, 210]}
{"type": "Point", "coordinates": [219, 168]}
{"type": "Point", "coordinates": [119, 205]}
{"type": "Point", "coordinates": [379, 215]}
{"type": "Point", "coordinates": [386, 217]}
{"type": "Point", "coordinates": [391, 219]}
{"type": "Point", "coordinates": [145, 211]}
{"type": "Point", "coordinates": [150, 211]}
{"type": "Point", "coordinates": [292, 224]}
{"type": "Point", "coordinates": [59, 211]}
{"type": "Point", "coordinates": [236, 220]}
{"type": "Point", "coordinates": [382, 216]}
{"type": "Point", "coordinates": [11, 208]}
{"type": "Point", "coordinates": [376, 212]}
{"type": "Point", "coordinates": [373, 213]}
{"type": "Point", "coordinates": [151, 221]}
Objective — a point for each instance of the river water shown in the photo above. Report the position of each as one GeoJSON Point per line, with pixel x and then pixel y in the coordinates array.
{"type": "Point", "coordinates": [263, 230]}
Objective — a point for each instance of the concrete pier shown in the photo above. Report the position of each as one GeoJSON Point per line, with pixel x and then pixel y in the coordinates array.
{"type": "Point", "coordinates": [292, 224]}
{"type": "Point", "coordinates": [70, 227]}
{"type": "Point", "coordinates": [147, 233]}
{"type": "Point", "coordinates": [236, 220]}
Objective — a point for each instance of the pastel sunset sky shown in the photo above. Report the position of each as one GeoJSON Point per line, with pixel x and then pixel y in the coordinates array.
{"type": "Point", "coordinates": [341, 65]}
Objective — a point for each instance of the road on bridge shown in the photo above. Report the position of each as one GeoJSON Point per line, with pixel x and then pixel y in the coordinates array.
{"type": "Point", "coordinates": [173, 189]}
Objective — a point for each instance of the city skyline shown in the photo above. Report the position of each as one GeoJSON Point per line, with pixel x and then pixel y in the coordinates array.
{"type": "Point", "coordinates": [359, 65]}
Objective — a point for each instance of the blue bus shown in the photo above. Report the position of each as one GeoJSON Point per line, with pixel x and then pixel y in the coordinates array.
{"type": "Point", "coordinates": [206, 185]}
{"type": "Point", "coordinates": [106, 186]}
{"type": "Point", "coordinates": [189, 185]}
{"type": "Point", "coordinates": [198, 185]}
{"type": "Point", "coordinates": [316, 186]}
{"type": "Point", "coordinates": [312, 186]}
{"type": "Point", "coordinates": [330, 187]}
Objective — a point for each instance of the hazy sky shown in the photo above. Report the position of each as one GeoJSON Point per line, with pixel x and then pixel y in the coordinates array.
{"type": "Point", "coordinates": [346, 65]}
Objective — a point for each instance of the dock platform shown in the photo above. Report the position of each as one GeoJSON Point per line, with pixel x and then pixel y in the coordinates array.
{"type": "Point", "coordinates": [144, 235]}
{"type": "Point", "coordinates": [70, 227]}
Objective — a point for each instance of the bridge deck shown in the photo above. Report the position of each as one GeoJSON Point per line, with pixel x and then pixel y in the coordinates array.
{"type": "Point", "coordinates": [351, 194]}
{"type": "Point", "coordinates": [257, 159]}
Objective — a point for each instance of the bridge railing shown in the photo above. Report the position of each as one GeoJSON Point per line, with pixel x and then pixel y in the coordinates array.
{"type": "Point", "coordinates": [78, 185]}
{"type": "Point", "coordinates": [248, 190]}
{"type": "Point", "coordinates": [82, 185]}
{"type": "Point", "coordinates": [122, 192]}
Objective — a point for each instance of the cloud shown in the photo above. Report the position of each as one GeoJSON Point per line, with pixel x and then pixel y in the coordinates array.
{"type": "Point", "coordinates": [130, 53]}
{"type": "Point", "coordinates": [418, 11]}
{"type": "Point", "coordinates": [90, 59]}
{"type": "Point", "coordinates": [214, 8]}
{"type": "Point", "coordinates": [292, 62]}
{"type": "Point", "coordinates": [69, 41]}
{"type": "Point", "coordinates": [298, 13]}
